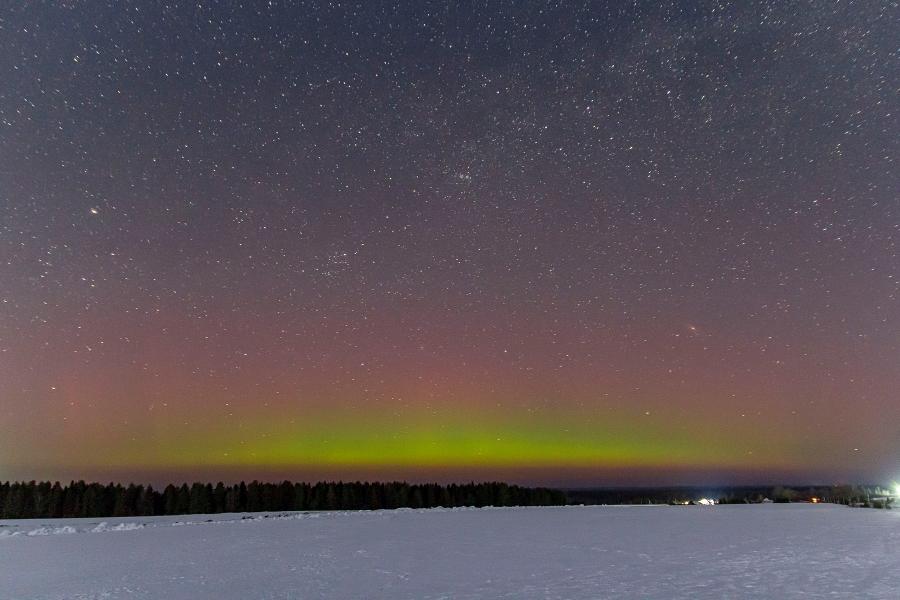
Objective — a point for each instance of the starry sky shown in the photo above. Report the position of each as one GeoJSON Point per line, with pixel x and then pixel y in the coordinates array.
{"type": "Point", "coordinates": [547, 242]}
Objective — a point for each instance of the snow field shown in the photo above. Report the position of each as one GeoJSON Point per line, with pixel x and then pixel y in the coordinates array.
{"type": "Point", "coordinates": [758, 551]}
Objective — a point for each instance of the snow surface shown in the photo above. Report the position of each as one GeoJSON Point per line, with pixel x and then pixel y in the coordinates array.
{"type": "Point", "coordinates": [760, 551]}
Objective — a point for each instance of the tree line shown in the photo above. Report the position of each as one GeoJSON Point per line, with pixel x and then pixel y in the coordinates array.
{"type": "Point", "coordinates": [853, 495]}
{"type": "Point", "coordinates": [873, 496]}
{"type": "Point", "coordinates": [25, 500]}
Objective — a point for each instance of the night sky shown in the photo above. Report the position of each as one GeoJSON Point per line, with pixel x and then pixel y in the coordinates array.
{"type": "Point", "coordinates": [567, 243]}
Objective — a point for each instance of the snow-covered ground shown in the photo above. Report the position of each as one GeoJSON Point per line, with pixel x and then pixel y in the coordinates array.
{"type": "Point", "coordinates": [762, 551]}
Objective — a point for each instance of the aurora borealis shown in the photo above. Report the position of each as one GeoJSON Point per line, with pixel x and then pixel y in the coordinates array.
{"type": "Point", "coordinates": [594, 244]}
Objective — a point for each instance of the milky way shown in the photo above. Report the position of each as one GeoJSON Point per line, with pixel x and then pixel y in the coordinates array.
{"type": "Point", "coordinates": [623, 242]}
